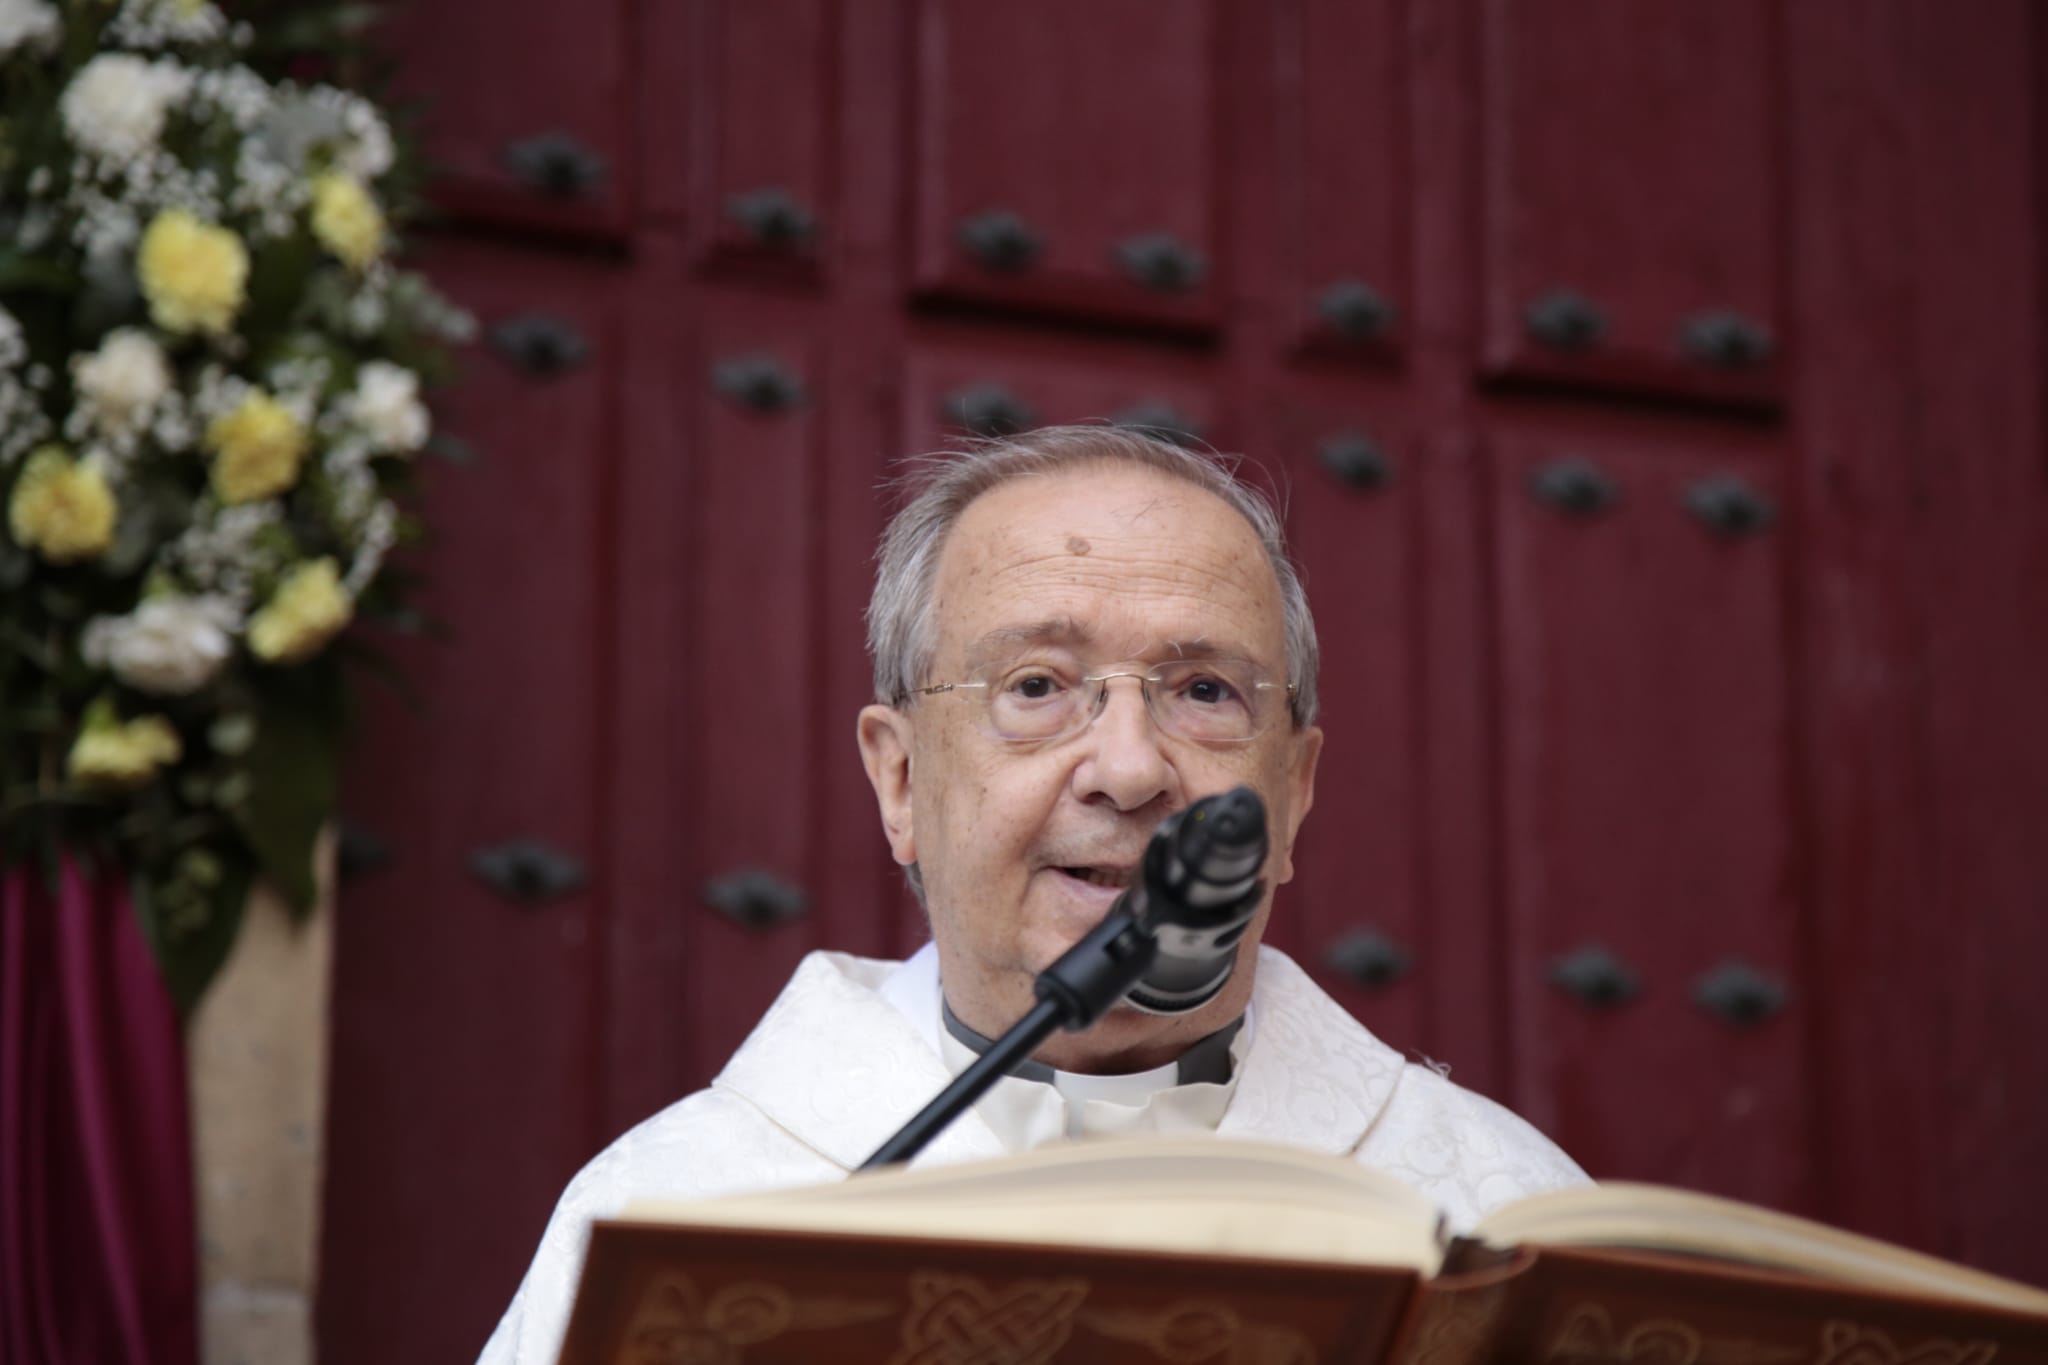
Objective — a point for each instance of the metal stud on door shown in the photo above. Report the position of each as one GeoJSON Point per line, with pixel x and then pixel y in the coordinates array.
{"type": "Point", "coordinates": [1368, 958]}
{"type": "Point", "coordinates": [1725, 340]}
{"type": "Point", "coordinates": [1355, 311]}
{"type": "Point", "coordinates": [773, 216]}
{"type": "Point", "coordinates": [1739, 994]}
{"type": "Point", "coordinates": [1356, 461]}
{"type": "Point", "coordinates": [1595, 977]}
{"type": "Point", "coordinates": [1160, 261]}
{"type": "Point", "coordinates": [555, 164]}
{"type": "Point", "coordinates": [528, 871]}
{"type": "Point", "coordinates": [1574, 487]}
{"type": "Point", "coordinates": [1001, 240]}
{"type": "Point", "coordinates": [756, 899]}
{"type": "Point", "coordinates": [1565, 321]}
{"type": "Point", "coordinates": [988, 410]}
{"type": "Point", "coordinates": [540, 344]}
{"type": "Point", "coordinates": [1729, 507]}
{"type": "Point", "coordinates": [760, 383]}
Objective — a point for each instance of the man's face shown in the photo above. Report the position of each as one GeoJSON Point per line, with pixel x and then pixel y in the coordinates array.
{"type": "Point", "coordinates": [1111, 567]}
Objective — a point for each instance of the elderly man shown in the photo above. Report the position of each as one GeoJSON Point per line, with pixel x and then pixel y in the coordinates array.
{"type": "Point", "coordinates": [1076, 632]}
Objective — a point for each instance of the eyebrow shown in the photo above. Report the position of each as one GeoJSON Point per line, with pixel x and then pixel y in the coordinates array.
{"type": "Point", "coordinates": [1056, 630]}
{"type": "Point", "coordinates": [1065, 630]}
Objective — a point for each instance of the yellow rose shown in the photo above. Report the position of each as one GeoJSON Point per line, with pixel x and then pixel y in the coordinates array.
{"type": "Point", "coordinates": [308, 609]}
{"type": "Point", "coordinates": [193, 273]}
{"type": "Point", "coordinates": [346, 219]}
{"type": "Point", "coordinates": [61, 509]}
{"type": "Point", "coordinates": [257, 449]}
{"type": "Point", "coordinates": [110, 753]}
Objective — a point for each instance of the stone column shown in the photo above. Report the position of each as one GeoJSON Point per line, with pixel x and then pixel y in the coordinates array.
{"type": "Point", "coordinates": [257, 1067]}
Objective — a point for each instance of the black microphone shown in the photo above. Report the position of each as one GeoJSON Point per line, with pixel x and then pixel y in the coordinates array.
{"type": "Point", "coordinates": [1175, 933]}
{"type": "Point", "coordinates": [1196, 894]}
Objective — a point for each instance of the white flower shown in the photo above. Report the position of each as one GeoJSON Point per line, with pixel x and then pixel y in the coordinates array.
{"type": "Point", "coordinates": [30, 24]}
{"type": "Point", "coordinates": [236, 91]}
{"type": "Point", "coordinates": [122, 382]}
{"type": "Point", "coordinates": [380, 532]}
{"type": "Point", "coordinates": [13, 349]}
{"type": "Point", "coordinates": [22, 423]}
{"type": "Point", "coordinates": [153, 23]}
{"type": "Point", "coordinates": [368, 152]}
{"type": "Point", "coordinates": [167, 645]}
{"type": "Point", "coordinates": [386, 405]}
{"type": "Point", "coordinates": [115, 106]}
{"type": "Point", "coordinates": [226, 549]}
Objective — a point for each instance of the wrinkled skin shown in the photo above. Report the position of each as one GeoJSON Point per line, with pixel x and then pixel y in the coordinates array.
{"type": "Point", "coordinates": [1128, 567]}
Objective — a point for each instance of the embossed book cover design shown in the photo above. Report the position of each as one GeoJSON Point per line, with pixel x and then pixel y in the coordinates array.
{"type": "Point", "coordinates": [1191, 1252]}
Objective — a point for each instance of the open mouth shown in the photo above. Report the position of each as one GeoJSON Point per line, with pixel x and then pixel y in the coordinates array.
{"type": "Point", "coordinates": [1116, 877]}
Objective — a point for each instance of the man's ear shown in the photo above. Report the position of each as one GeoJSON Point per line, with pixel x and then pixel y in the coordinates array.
{"type": "Point", "coordinates": [885, 752]}
{"type": "Point", "coordinates": [1300, 781]}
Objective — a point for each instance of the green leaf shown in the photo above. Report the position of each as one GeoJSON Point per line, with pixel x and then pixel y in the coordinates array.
{"type": "Point", "coordinates": [108, 295]}
{"type": "Point", "coordinates": [190, 951]}
{"type": "Point", "coordinates": [293, 770]}
{"type": "Point", "coordinates": [277, 283]}
{"type": "Point", "coordinates": [20, 270]}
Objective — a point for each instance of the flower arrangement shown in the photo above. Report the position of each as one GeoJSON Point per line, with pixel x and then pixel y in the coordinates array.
{"type": "Point", "coordinates": [210, 403]}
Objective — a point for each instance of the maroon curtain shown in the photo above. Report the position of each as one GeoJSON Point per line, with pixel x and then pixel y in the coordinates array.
{"type": "Point", "coordinates": [98, 1260]}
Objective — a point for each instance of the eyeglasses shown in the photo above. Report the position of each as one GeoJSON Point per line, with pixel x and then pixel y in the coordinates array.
{"type": "Point", "coordinates": [1208, 701]}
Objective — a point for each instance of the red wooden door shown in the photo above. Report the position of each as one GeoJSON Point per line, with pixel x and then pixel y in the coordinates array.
{"type": "Point", "coordinates": [1586, 352]}
{"type": "Point", "coordinates": [1355, 914]}
{"type": "Point", "coordinates": [1651, 893]}
{"type": "Point", "coordinates": [470, 975]}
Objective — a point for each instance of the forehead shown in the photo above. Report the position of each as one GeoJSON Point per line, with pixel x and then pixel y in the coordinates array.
{"type": "Point", "coordinates": [1130, 562]}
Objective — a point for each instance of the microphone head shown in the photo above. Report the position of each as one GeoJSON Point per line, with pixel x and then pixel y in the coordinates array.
{"type": "Point", "coordinates": [1199, 891]}
{"type": "Point", "coordinates": [1221, 843]}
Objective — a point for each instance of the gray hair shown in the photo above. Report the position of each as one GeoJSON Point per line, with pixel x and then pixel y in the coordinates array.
{"type": "Point", "coordinates": [902, 634]}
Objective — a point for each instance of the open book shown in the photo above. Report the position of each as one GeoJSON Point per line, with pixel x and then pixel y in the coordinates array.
{"type": "Point", "coordinates": [1194, 1250]}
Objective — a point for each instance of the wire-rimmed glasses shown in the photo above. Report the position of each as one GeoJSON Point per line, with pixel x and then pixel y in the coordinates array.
{"type": "Point", "coordinates": [1207, 701]}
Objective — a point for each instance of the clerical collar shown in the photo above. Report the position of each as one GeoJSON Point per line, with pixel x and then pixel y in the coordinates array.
{"type": "Point", "coordinates": [1206, 1062]}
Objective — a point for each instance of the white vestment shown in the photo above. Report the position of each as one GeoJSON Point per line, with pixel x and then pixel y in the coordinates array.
{"type": "Point", "coordinates": [851, 1049]}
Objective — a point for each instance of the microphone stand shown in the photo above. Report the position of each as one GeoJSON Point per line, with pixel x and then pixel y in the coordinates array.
{"type": "Point", "coordinates": [1073, 993]}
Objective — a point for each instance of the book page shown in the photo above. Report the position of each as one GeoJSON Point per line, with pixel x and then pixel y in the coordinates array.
{"type": "Point", "coordinates": [1164, 1194]}
{"type": "Point", "coordinates": [1654, 1218]}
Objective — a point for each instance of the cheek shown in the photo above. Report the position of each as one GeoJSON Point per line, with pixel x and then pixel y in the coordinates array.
{"type": "Point", "coordinates": [1276, 781]}
{"type": "Point", "coordinates": [985, 817]}
{"type": "Point", "coordinates": [960, 807]}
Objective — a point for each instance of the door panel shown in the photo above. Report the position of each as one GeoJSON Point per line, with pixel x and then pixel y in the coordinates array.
{"type": "Point", "coordinates": [1067, 158]}
{"type": "Point", "coordinates": [1354, 914]}
{"type": "Point", "coordinates": [751, 664]}
{"type": "Point", "coordinates": [526, 114]}
{"type": "Point", "coordinates": [740, 142]}
{"type": "Point", "coordinates": [1631, 209]}
{"type": "Point", "coordinates": [1342, 89]}
{"type": "Point", "coordinates": [464, 1012]}
{"type": "Point", "coordinates": [1645, 753]}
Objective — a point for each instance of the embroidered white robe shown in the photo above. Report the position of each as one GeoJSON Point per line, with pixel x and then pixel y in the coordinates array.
{"type": "Point", "coordinates": [846, 1055]}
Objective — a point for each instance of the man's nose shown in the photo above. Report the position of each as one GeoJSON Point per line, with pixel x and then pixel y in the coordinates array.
{"type": "Point", "coordinates": [1126, 763]}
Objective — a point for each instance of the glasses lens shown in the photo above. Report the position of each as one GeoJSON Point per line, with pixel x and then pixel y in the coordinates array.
{"type": "Point", "coordinates": [1035, 700]}
{"type": "Point", "coordinates": [1210, 700]}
